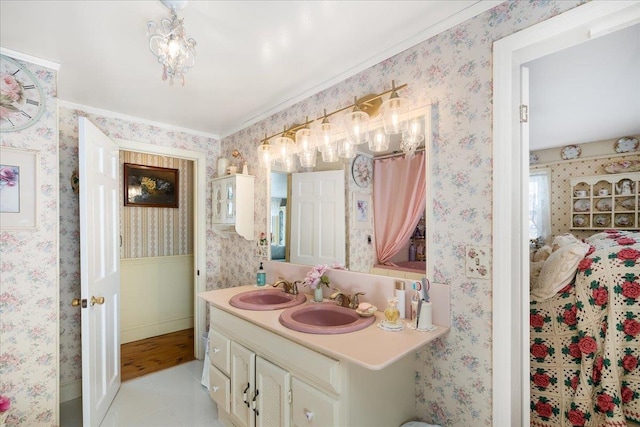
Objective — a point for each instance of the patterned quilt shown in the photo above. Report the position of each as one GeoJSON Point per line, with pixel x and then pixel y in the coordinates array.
{"type": "Point", "coordinates": [585, 341]}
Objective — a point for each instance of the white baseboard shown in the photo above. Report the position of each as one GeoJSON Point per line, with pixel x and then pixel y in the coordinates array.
{"type": "Point", "coordinates": [152, 330]}
{"type": "Point", "coordinates": [70, 391]}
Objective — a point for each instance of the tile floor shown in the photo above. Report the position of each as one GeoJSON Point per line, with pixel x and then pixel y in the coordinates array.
{"type": "Point", "coordinates": [173, 397]}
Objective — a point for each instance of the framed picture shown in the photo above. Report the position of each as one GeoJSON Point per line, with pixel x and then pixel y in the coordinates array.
{"type": "Point", "coordinates": [362, 210]}
{"type": "Point", "coordinates": [150, 186]}
{"type": "Point", "coordinates": [19, 189]}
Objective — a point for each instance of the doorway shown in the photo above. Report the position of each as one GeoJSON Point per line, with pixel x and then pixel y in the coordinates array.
{"type": "Point", "coordinates": [511, 166]}
{"type": "Point", "coordinates": [199, 220]}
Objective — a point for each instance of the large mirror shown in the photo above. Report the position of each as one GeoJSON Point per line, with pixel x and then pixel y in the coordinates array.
{"type": "Point", "coordinates": [358, 242]}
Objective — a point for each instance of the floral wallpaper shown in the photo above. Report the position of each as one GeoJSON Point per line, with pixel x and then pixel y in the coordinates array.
{"type": "Point", "coordinates": [70, 345]}
{"type": "Point", "coordinates": [29, 280]}
{"type": "Point", "coordinates": [452, 70]}
{"type": "Point", "coordinates": [153, 232]}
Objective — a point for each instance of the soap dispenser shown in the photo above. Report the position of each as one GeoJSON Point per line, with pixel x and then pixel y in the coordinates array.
{"type": "Point", "coordinates": [261, 276]}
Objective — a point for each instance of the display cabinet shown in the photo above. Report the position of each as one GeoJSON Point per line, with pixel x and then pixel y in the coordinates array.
{"type": "Point", "coordinates": [605, 201]}
{"type": "Point", "coordinates": [232, 207]}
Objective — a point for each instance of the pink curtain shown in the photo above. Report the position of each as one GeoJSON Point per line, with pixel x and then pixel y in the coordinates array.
{"type": "Point", "coordinates": [399, 193]}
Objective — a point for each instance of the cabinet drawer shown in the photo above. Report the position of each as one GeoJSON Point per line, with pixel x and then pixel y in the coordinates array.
{"type": "Point", "coordinates": [219, 389]}
{"type": "Point", "coordinates": [311, 407]}
{"type": "Point", "coordinates": [219, 350]}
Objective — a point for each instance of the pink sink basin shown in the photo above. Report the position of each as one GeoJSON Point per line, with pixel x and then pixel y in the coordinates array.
{"type": "Point", "coordinates": [324, 318]}
{"type": "Point", "coordinates": [266, 299]}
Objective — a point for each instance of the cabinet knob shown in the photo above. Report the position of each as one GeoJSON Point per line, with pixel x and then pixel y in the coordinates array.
{"type": "Point", "coordinates": [215, 388]}
{"type": "Point", "coordinates": [308, 414]}
{"type": "Point", "coordinates": [216, 350]}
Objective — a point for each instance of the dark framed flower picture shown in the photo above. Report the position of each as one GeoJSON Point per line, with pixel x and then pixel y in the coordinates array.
{"type": "Point", "coordinates": [150, 186]}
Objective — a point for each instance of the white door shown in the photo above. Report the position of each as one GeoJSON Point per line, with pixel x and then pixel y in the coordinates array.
{"type": "Point", "coordinates": [100, 271]}
{"type": "Point", "coordinates": [318, 218]}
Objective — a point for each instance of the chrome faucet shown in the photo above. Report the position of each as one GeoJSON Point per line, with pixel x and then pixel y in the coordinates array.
{"type": "Point", "coordinates": [288, 287]}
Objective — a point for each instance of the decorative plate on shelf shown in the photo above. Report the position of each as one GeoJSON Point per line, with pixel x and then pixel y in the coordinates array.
{"type": "Point", "coordinates": [623, 220]}
{"type": "Point", "coordinates": [604, 204]}
{"type": "Point", "coordinates": [571, 152]}
{"type": "Point", "coordinates": [630, 204]}
{"type": "Point", "coordinates": [626, 144]}
{"type": "Point", "coordinates": [362, 171]}
{"type": "Point", "coordinates": [533, 159]}
{"type": "Point", "coordinates": [601, 220]}
{"type": "Point", "coordinates": [582, 205]}
{"type": "Point", "coordinates": [579, 220]}
{"type": "Point", "coordinates": [623, 166]}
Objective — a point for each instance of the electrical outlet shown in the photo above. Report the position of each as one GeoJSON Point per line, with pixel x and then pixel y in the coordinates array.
{"type": "Point", "coordinates": [477, 262]}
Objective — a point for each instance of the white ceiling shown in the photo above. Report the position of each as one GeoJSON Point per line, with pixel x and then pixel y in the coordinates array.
{"type": "Point", "coordinates": [590, 92]}
{"type": "Point", "coordinates": [253, 58]}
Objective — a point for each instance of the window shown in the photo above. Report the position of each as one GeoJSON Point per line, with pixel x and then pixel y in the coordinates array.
{"type": "Point", "coordinates": [539, 204]}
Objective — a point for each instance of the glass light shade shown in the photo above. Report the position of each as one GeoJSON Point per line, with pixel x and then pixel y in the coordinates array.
{"type": "Point", "coordinates": [264, 155]}
{"type": "Point", "coordinates": [325, 136]}
{"type": "Point", "coordinates": [284, 147]}
{"type": "Point", "coordinates": [394, 111]}
{"type": "Point", "coordinates": [357, 126]}
{"type": "Point", "coordinates": [308, 158]}
{"type": "Point", "coordinates": [330, 153]}
{"type": "Point", "coordinates": [305, 140]}
{"type": "Point", "coordinates": [346, 149]}
{"type": "Point", "coordinates": [414, 132]}
{"type": "Point", "coordinates": [379, 141]}
{"type": "Point", "coordinates": [287, 163]}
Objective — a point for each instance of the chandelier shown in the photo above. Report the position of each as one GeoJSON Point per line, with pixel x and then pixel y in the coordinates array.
{"type": "Point", "coordinates": [335, 142]}
{"type": "Point", "coordinates": [170, 45]}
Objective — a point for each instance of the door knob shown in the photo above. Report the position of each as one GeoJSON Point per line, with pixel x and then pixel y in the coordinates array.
{"type": "Point", "coordinates": [99, 300]}
{"type": "Point", "coordinates": [77, 302]}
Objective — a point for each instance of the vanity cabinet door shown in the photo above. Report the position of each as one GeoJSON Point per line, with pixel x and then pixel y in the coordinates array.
{"type": "Point", "coordinates": [273, 388]}
{"type": "Point", "coordinates": [242, 385]}
{"type": "Point", "coordinates": [311, 407]}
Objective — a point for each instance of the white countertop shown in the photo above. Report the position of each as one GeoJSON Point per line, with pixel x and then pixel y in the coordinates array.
{"type": "Point", "coordinates": [371, 347]}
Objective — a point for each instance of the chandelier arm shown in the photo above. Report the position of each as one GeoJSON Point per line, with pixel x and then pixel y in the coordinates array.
{"type": "Point", "coordinates": [327, 115]}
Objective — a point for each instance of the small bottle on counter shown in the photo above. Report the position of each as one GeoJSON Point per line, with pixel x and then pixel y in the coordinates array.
{"type": "Point", "coordinates": [400, 295]}
{"type": "Point", "coordinates": [412, 251]}
{"type": "Point", "coordinates": [261, 276]}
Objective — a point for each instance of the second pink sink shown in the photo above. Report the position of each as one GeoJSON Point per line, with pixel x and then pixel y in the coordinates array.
{"type": "Point", "coordinates": [324, 318]}
{"type": "Point", "coordinates": [266, 299]}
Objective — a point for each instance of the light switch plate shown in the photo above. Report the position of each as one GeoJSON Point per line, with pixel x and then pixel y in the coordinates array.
{"type": "Point", "coordinates": [477, 262]}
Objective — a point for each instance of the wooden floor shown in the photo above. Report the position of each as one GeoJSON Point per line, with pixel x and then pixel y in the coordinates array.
{"type": "Point", "coordinates": [143, 357]}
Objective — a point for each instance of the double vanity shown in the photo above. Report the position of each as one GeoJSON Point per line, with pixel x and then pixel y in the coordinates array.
{"type": "Point", "coordinates": [279, 359]}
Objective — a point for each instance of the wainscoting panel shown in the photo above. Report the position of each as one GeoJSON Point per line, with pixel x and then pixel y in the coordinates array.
{"type": "Point", "coordinates": [157, 296]}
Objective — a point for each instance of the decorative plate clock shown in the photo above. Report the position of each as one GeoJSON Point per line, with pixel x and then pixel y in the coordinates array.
{"type": "Point", "coordinates": [362, 171]}
{"type": "Point", "coordinates": [21, 96]}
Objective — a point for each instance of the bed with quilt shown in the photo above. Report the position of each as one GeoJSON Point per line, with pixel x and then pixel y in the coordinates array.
{"type": "Point", "coordinates": [585, 331]}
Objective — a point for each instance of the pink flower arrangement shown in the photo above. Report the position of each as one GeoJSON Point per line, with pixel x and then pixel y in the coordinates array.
{"type": "Point", "coordinates": [316, 276]}
{"type": "Point", "coordinates": [5, 403]}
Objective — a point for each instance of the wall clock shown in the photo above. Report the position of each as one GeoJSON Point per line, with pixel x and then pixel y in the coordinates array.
{"type": "Point", "coordinates": [21, 96]}
{"type": "Point", "coordinates": [362, 171]}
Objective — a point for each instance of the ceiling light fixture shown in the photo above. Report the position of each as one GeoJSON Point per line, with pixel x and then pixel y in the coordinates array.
{"type": "Point", "coordinates": [170, 45]}
{"type": "Point", "coordinates": [322, 133]}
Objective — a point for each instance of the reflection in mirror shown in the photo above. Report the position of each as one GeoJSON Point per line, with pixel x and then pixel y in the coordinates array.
{"type": "Point", "coordinates": [360, 243]}
{"type": "Point", "coordinates": [278, 216]}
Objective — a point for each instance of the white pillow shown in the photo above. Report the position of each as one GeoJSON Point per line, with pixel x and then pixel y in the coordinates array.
{"type": "Point", "coordinates": [543, 253]}
{"type": "Point", "coordinates": [563, 240]}
{"type": "Point", "coordinates": [559, 269]}
{"type": "Point", "coordinates": [534, 273]}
